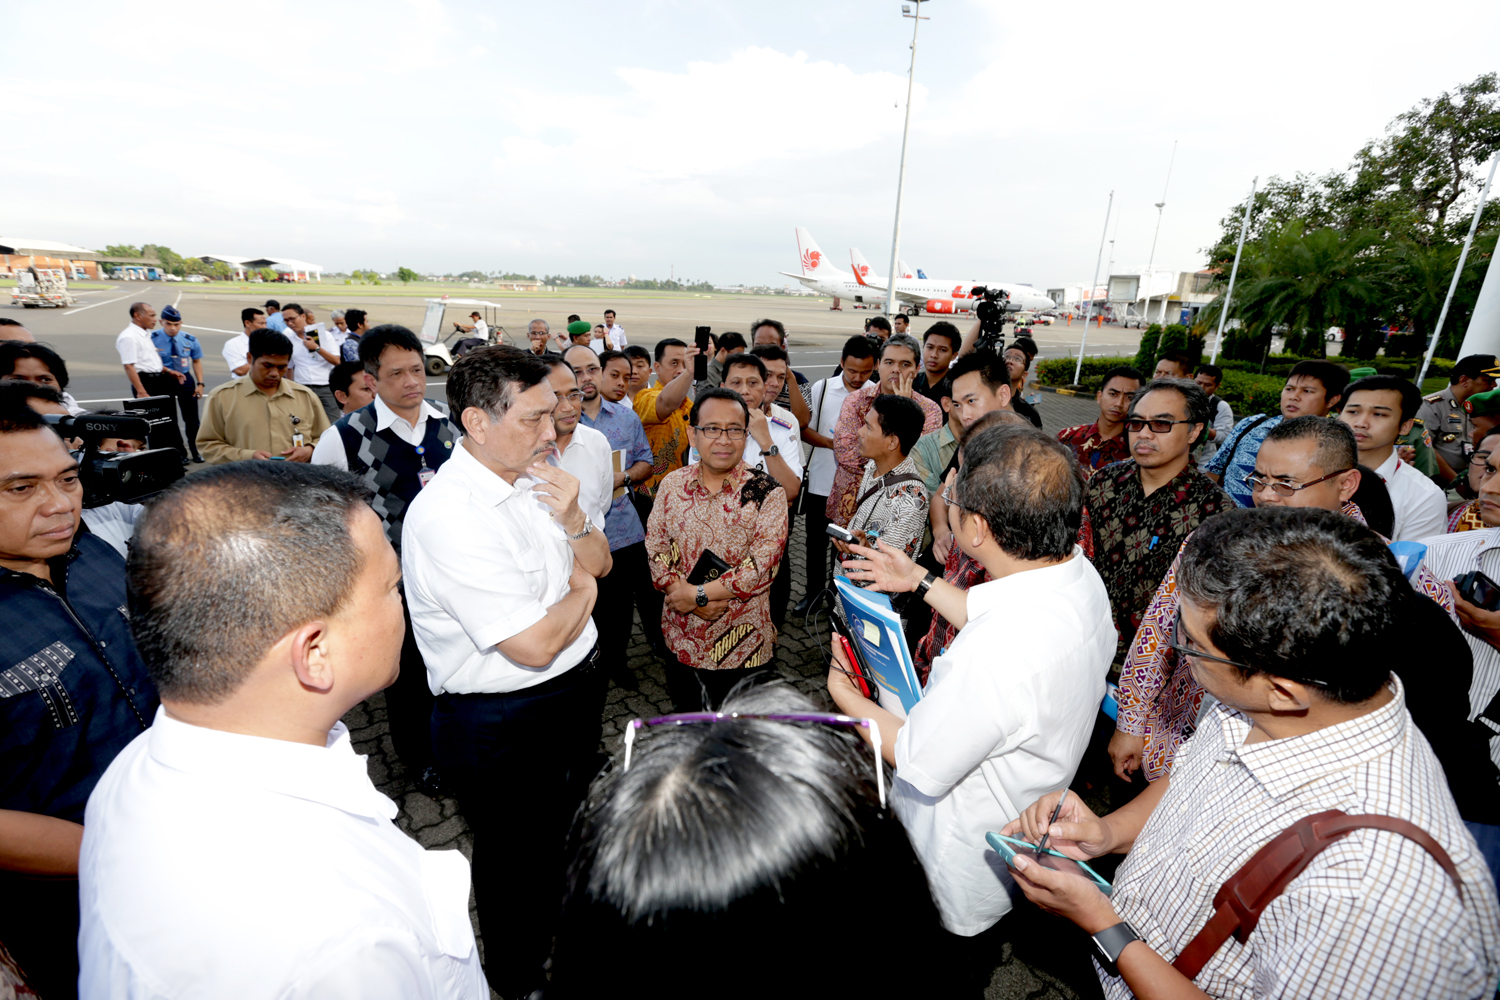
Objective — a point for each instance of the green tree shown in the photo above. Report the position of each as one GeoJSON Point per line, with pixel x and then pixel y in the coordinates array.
{"type": "Point", "coordinates": [267, 274]}
{"type": "Point", "coordinates": [120, 250]}
{"type": "Point", "coordinates": [406, 275]}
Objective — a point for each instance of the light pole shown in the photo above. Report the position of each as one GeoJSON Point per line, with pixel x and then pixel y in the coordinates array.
{"type": "Point", "coordinates": [1233, 272]}
{"type": "Point", "coordinates": [911, 78]}
{"type": "Point", "coordinates": [1089, 313]}
{"type": "Point", "coordinates": [1150, 261]}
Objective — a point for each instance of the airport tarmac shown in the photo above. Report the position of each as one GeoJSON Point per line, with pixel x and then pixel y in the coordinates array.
{"type": "Point", "coordinates": [85, 334]}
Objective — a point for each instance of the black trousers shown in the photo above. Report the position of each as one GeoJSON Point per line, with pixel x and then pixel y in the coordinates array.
{"type": "Point", "coordinates": [647, 598]}
{"type": "Point", "coordinates": [164, 384]}
{"type": "Point", "coordinates": [39, 926]}
{"type": "Point", "coordinates": [781, 583]}
{"type": "Point", "coordinates": [408, 705]}
{"type": "Point", "coordinates": [521, 764]}
{"type": "Point", "coordinates": [694, 690]}
{"type": "Point", "coordinates": [815, 519]}
{"type": "Point", "coordinates": [189, 407]}
{"type": "Point", "coordinates": [620, 593]}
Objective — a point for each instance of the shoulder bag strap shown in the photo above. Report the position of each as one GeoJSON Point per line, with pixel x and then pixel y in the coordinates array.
{"type": "Point", "coordinates": [885, 482]}
{"type": "Point", "coordinates": [1236, 446]}
{"type": "Point", "coordinates": [1246, 894]}
{"type": "Point", "coordinates": [817, 422]}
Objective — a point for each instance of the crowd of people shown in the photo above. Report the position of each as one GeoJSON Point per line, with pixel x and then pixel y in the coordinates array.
{"type": "Point", "coordinates": [1261, 653]}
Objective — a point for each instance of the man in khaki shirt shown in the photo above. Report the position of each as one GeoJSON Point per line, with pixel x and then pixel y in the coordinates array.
{"type": "Point", "coordinates": [264, 415]}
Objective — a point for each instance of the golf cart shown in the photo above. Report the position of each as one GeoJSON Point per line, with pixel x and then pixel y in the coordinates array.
{"type": "Point", "coordinates": [435, 342]}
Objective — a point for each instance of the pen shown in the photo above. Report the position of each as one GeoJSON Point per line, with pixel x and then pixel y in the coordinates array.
{"type": "Point", "coordinates": [1042, 844]}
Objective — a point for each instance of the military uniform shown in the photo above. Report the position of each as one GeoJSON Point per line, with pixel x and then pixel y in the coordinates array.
{"type": "Point", "coordinates": [1449, 427]}
{"type": "Point", "coordinates": [1425, 460]}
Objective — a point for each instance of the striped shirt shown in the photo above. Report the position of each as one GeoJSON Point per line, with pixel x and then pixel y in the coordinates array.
{"type": "Point", "coordinates": [1373, 916]}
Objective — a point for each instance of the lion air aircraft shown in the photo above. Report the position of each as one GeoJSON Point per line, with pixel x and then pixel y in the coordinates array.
{"type": "Point", "coordinates": [934, 295]}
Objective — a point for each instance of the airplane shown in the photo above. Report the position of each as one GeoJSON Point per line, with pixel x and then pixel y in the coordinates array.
{"type": "Point", "coordinates": [820, 275]}
{"type": "Point", "coordinates": [939, 297]}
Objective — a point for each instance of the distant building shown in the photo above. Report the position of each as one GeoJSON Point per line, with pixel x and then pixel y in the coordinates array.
{"type": "Point", "coordinates": [18, 253]}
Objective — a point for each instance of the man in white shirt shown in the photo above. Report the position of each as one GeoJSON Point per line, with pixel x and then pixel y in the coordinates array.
{"type": "Point", "coordinates": [614, 332]}
{"type": "Point", "coordinates": [825, 401]}
{"type": "Point", "coordinates": [148, 376]}
{"type": "Point", "coordinates": [314, 353]}
{"type": "Point", "coordinates": [993, 733]}
{"type": "Point", "coordinates": [1380, 413]}
{"type": "Point", "coordinates": [237, 348]}
{"type": "Point", "coordinates": [238, 847]}
{"type": "Point", "coordinates": [500, 566]}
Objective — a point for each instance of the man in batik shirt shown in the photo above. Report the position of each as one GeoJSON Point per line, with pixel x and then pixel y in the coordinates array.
{"type": "Point", "coordinates": [1304, 462]}
{"type": "Point", "coordinates": [719, 631]}
{"type": "Point", "coordinates": [1475, 514]}
{"type": "Point", "coordinates": [1139, 511]}
{"type": "Point", "coordinates": [1104, 442]}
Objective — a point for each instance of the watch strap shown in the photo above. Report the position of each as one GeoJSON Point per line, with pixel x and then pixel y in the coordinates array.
{"type": "Point", "coordinates": [588, 529]}
{"type": "Point", "coordinates": [1111, 941]}
{"type": "Point", "coordinates": [927, 582]}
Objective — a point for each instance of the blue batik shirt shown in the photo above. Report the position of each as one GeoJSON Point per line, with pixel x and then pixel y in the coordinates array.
{"type": "Point", "coordinates": [618, 423]}
{"type": "Point", "coordinates": [1243, 451]}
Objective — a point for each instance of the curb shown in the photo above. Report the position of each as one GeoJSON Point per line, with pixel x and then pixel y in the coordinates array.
{"type": "Point", "coordinates": [1060, 392]}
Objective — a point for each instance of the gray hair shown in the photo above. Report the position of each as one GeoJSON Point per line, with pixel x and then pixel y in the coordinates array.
{"type": "Point", "coordinates": [546, 328]}
{"type": "Point", "coordinates": [905, 340]}
{"type": "Point", "coordinates": [336, 314]}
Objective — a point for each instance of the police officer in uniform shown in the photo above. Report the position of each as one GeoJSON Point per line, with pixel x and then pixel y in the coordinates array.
{"type": "Point", "coordinates": [1446, 420]}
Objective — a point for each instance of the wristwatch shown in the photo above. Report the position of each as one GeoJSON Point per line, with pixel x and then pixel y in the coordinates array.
{"type": "Point", "coordinates": [772, 451]}
{"type": "Point", "coordinates": [588, 529]}
{"type": "Point", "coordinates": [1109, 942]}
{"type": "Point", "coordinates": [926, 583]}
{"type": "Point", "coordinates": [702, 599]}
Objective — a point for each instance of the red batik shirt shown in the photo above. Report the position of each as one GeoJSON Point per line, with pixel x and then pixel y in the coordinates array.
{"type": "Point", "coordinates": [1094, 451]}
{"type": "Point", "coordinates": [745, 524]}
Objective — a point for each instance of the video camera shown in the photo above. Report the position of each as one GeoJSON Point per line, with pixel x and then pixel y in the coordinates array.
{"type": "Point", "coordinates": [991, 313]}
{"type": "Point", "coordinates": [117, 477]}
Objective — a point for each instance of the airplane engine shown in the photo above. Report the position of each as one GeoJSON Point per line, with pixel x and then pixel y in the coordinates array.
{"type": "Point", "coordinates": [948, 307]}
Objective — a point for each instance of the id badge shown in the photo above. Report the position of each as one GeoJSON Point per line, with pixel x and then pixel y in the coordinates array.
{"type": "Point", "coordinates": [424, 476]}
{"type": "Point", "coordinates": [297, 439]}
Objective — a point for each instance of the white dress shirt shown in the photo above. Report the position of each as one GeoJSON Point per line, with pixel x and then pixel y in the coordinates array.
{"type": "Point", "coordinates": [483, 561]}
{"type": "Point", "coordinates": [830, 395]}
{"type": "Point", "coordinates": [236, 350]}
{"type": "Point", "coordinates": [310, 367]}
{"type": "Point", "coordinates": [786, 435]}
{"type": "Point", "coordinates": [1421, 508]}
{"type": "Point", "coordinates": [1005, 718]}
{"type": "Point", "coordinates": [115, 523]}
{"type": "Point", "coordinates": [136, 348]}
{"type": "Point", "coordinates": [1446, 558]}
{"type": "Point", "coordinates": [330, 449]}
{"type": "Point", "coordinates": [221, 865]}
{"type": "Point", "coordinates": [598, 345]}
{"type": "Point", "coordinates": [591, 460]}
{"type": "Point", "coordinates": [616, 337]}
{"type": "Point", "coordinates": [1373, 917]}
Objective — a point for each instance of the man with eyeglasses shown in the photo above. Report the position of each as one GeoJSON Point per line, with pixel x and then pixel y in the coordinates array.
{"type": "Point", "coordinates": [1379, 409]}
{"type": "Point", "coordinates": [1293, 620]}
{"type": "Point", "coordinates": [1483, 511]}
{"type": "Point", "coordinates": [1306, 462]}
{"type": "Point", "coordinates": [723, 524]}
{"type": "Point", "coordinates": [1139, 511]}
{"type": "Point", "coordinates": [539, 336]}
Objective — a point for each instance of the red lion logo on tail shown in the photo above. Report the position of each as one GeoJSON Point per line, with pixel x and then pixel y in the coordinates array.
{"type": "Point", "coordinates": [810, 259]}
{"type": "Point", "coordinates": [864, 270]}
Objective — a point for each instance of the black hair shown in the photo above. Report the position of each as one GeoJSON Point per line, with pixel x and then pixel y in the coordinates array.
{"type": "Point", "coordinates": [743, 360]}
{"type": "Point", "coordinates": [354, 317]}
{"type": "Point", "coordinates": [1298, 592]}
{"type": "Point", "coordinates": [138, 307]}
{"type": "Point", "coordinates": [899, 416]}
{"type": "Point", "coordinates": [770, 352]}
{"type": "Point", "coordinates": [1028, 488]}
{"type": "Point", "coordinates": [1194, 399]}
{"type": "Point", "coordinates": [608, 356]}
{"type": "Point", "coordinates": [943, 328]}
{"type": "Point", "coordinates": [12, 351]}
{"type": "Point", "coordinates": [1337, 448]}
{"type": "Point", "coordinates": [1212, 371]}
{"type": "Point", "coordinates": [1026, 346]}
{"type": "Point", "coordinates": [610, 312]}
{"type": "Point", "coordinates": [984, 421]}
{"type": "Point", "coordinates": [249, 313]}
{"type": "Point", "coordinates": [573, 317]}
{"type": "Point", "coordinates": [731, 342]}
{"type": "Point", "coordinates": [858, 347]}
{"type": "Point", "coordinates": [227, 562]}
{"type": "Point", "coordinates": [294, 307]}
{"type": "Point", "coordinates": [1334, 378]}
{"type": "Point", "coordinates": [18, 389]}
{"type": "Point", "coordinates": [718, 393]}
{"type": "Point", "coordinates": [268, 342]}
{"type": "Point", "coordinates": [1122, 371]}
{"type": "Point", "coordinates": [489, 378]}
{"type": "Point", "coordinates": [637, 351]}
{"type": "Point", "coordinates": [1471, 366]}
{"type": "Point", "coordinates": [343, 374]}
{"type": "Point", "coordinates": [989, 365]}
{"type": "Point", "coordinates": [1411, 396]}
{"type": "Point", "coordinates": [879, 322]}
{"type": "Point", "coordinates": [1182, 359]}
{"type": "Point", "coordinates": [1374, 502]}
{"type": "Point", "coordinates": [905, 342]}
{"type": "Point", "coordinates": [373, 343]}
{"type": "Point", "coordinates": [16, 415]}
{"type": "Point", "coordinates": [662, 345]}
{"type": "Point", "coordinates": [272, 304]}
{"type": "Point", "coordinates": [721, 830]}
{"type": "Point", "coordinates": [7, 321]}
{"type": "Point", "coordinates": [774, 324]}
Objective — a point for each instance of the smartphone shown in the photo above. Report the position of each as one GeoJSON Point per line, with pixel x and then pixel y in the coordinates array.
{"type": "Point", "coordinates": [842, 533]}
{"type": "Point", "coordinates": [700, 363]}
{"type": "Point", "coordinates": [1009, 847]}
{"type": "Point", "coordinates": [1479, 590]}
{"type": "Point", "coordinates": [856, 657]}
{"type": "Point", "coordinates": [848, 650]}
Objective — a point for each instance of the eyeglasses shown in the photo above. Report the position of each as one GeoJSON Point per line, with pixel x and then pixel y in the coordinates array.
{"type": "Point", "coordinates": [1478, 458]}
{"type": "Point", "coordinates": [575, 397]}
{"type": "Point", "coordinates": [712, 433]}
{"type": "Point", "coordinates": [950, 501]}
{"type": "Point", "coordinates": [1179, 644]}
{"type": "Point", "coordinates": [1258, 483]}
{"type": "Point", "coordinates": [1135, 425]}
{"type": "Point", "coordinates": [693, 718]}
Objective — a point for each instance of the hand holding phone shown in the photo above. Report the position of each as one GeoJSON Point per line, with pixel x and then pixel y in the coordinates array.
{"type": "Point", "coordinates": [1009, 848]}
{"type": "Point", "coordinates": [1479, 590]}
{"type": "Point", "coordinates": [700, 361]}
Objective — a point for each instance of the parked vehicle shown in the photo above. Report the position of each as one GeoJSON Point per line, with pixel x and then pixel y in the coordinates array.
{"type": "Point", "coordinates": [435, 345]}
{"type": "Point", "coordinates": [42, 288]}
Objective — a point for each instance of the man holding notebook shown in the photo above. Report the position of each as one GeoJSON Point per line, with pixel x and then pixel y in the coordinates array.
{"type": "Point", "coordinates": [1009, 706]}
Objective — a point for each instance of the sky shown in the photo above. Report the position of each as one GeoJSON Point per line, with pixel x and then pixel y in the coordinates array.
{"type": "Point", "coordinates": [657, 138]}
